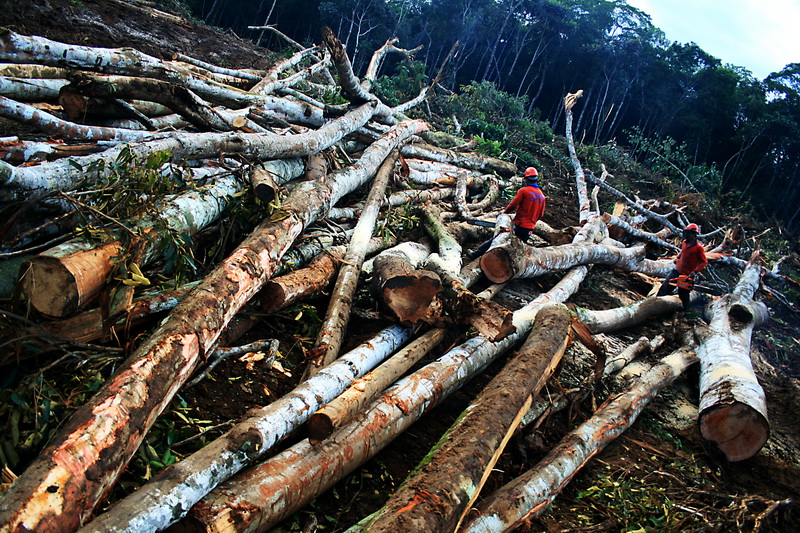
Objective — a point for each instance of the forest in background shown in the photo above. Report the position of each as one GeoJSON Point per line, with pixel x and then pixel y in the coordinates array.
{"type": "Point", "coordinates": [707, 125]}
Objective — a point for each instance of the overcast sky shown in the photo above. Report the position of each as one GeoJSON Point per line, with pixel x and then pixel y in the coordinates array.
{"type": "Point", "coordinates": [761, 35]}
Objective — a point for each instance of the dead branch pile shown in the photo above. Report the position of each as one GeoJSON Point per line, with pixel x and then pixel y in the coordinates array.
{"type": "Point", "coordinates": [215, 136]}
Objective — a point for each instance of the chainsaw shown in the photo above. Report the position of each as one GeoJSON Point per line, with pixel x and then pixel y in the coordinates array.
{"type": "Point", "coordinates": [682, 283]}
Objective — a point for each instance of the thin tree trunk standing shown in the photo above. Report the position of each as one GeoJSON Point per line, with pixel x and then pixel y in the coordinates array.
{"type": "Point", "coordinates": [584, 209]}
{"type": "Point", "coordinates": [61, 488]}
{"type": "Point", "coordinates": [332, 329]}
{"type": "Point", "coordinates": [733, 408]}
{"type": "Point", "coordinates": [437, 497]}
{"type": "Point", "coordinates": [531, 493]}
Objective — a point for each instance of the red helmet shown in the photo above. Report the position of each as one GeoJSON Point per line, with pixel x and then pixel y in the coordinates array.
{"type": "Point", "coordinates": [692, 227]}
{"type": "Point", "coordinates": [531, 172]}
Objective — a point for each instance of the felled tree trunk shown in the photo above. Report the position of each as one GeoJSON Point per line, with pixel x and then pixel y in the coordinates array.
{"type": "Point", "coordinates": [60, 280]}
{"type": "Point", "coordinates": [733, 408]}
{"type": "Point", "coordinates": [60, 489]}
{"type": "Point", "coordinates": [510, 258]}
{"type": "Point", "coordinates": [629, 315]}
{"type": "Point", "coordinates": [409, 293]}
{"type": "Point", "coordinates": [492, 320]}
{"type": "Point", "coordinates": [531, 493]}
{"type": "Point", "coordinates": [639, 234]}
{"type": "Point", "coordinates": [21, 182]}
{"type": "Point", "coordinates": [438, 496]}
{"type": "Point", "coordinates": [283, 291]}
{"type": "Point", "coordinates": [332, 329]}
{"type": "Point", "coordinates": [362, 391]}
{"type": "Point", "coordinates": [268, 493]}
{"type": "Point", "coordinates": [461, 159]}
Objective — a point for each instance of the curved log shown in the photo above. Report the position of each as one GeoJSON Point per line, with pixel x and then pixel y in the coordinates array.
{"type": "Point", "coordinates": [630, 315]}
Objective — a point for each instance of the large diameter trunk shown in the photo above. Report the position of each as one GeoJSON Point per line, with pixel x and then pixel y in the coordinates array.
{"type": "Point", "coordinates": [509, 258]}
{"type": "Point", "coordinates": [531, 493]}
{"type": "Point", "coordinates": [410, 294]}
{"type": "Point", "coordinates": [437, 497]}
{"type": "Point", "coordinates": [59, 491]}
{"type": "Point", "coordinates": [267, 494]}
{"type": "Point", "coordinates": [733, 407]}
{"type": "Point", "coordinates": [62, 279]}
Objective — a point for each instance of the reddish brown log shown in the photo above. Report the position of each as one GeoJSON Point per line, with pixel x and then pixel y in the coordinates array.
{"type": "Point", "coordinates": [441, 493]}
{"type": "Point", "coordinates": [60, 489]}
{"type": "Point", "coordinates": [411, 294]}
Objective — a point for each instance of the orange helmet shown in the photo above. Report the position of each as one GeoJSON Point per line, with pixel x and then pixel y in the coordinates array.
{"type": "Point", "coordinates": [692, 227]}
{"type": "Point", "coordinates": [531, 172]}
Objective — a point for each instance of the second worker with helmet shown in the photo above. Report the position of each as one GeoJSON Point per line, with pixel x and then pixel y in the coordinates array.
{"type": "Point", "coordinates": [528, 204]}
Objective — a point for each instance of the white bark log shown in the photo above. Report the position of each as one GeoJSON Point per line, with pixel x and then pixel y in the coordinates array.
{"type": "Point", "coordinates": [31, 90]}
{"type": "Point", "coordinates": [168, 497]}
{"type": "Point", "coordinates": [733, 407]}
{"type": "Point", "coordinates": [531, 493]}
{"type": "Point", "coordinates": [630, 315]}
{"type": "Point", "coordinates": [20, 182]}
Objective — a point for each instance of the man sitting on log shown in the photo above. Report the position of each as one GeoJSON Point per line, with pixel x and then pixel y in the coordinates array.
{"type": "Point", "coordinates": [690, 262]}
{"type": "Point", "coordinates": [528, 204]}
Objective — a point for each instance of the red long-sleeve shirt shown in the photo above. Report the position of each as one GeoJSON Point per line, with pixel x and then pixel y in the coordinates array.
{"type": "Point", "coordinates": [691, 259]}
{"type": "Point", "coordinates": [529, 206]}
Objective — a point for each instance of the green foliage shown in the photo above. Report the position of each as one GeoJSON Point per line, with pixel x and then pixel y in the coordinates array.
{"type": "Point", "coordinates": [403, 84]}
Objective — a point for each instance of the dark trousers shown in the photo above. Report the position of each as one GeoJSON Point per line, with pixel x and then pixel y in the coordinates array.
{"type": "Point", "coordinates": [521, 233]}
{"type": "Point", "coordinates": [666, 289]}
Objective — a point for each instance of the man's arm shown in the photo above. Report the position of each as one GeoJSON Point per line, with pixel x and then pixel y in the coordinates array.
{"type": "Point", "coordinates": [513, 204]}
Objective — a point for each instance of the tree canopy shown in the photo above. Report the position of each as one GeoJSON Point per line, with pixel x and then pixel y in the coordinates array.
{"type": "Point", "coordinates": [635, 81]}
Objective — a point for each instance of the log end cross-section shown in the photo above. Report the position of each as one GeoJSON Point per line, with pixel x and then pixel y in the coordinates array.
{"type": "Point", "coordinates": [497, 265]}
{"type": "Point", "coordinates": [739, 430]}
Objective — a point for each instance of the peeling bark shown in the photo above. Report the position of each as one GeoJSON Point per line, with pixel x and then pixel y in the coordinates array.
{"type": "Point", "coordinates": [733, 407]}
{"type": "Point", "coordinates": [531, 493]}
{"type": "Point", "coordinates": [438, 496]}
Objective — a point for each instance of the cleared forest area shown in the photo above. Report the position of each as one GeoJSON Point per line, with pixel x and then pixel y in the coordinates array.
{"type": "Point", "coordinates": [238, 296]}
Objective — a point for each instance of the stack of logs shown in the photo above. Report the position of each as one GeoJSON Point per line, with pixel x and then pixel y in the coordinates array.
{"type": "Point", "coordinates": [354, 403]}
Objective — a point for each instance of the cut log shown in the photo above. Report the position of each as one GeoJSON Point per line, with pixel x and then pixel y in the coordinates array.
{"type": "Point", "coordinates": [59, 281]}
{"type": "Point", "coordinates": [21, 182]}
{"type": "Point", "coordinates": [733, 407]}
{"type": "Point", "coordinates": [60, 489]}
{"type": "Point", "coordinates": [510, 258]}
{"type": "Point", "coordinates": [362, 391]}
{"type": "Point", "coordinates": [409, 293]}
{"type": "Point", "coordinates": [283, 291]}
{"type": "Point", "coordinates": [334, 325]}
{"type": "Point", "coordinates": [267, 177]}
{"type": "Point", "coordinates": [470, 160]}
{"type": "Point", "coordinates": [630, 315]}
{"type": "Point", "coordinates": [639, 234]}
{"type": "Point", "coordinates": [264, 495]}
{"type": "Point", "coordinates": [438, 496]}
{"type": "Point", "coordinates": [531, 493]}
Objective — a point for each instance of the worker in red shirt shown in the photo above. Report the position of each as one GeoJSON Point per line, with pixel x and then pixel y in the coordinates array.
{"type": "Point", "coordinates": [528, 204]}
{"type": "Point", "coordinates": [690, 262]}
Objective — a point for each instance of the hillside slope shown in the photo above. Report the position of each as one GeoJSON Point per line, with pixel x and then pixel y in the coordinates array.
{"type": "Point", "coordinates": [661, 457]}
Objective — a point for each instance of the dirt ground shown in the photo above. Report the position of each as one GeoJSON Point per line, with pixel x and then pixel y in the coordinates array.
{"type": "Point", "coordinates": [659, 476]}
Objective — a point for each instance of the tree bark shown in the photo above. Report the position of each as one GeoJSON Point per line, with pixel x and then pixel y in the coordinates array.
{"type": "Point", "coordinates": [639, 234]}
{"type": "Point", "coordinates": [509, 258]}
{"type": "Point", "coordinates": [733, 407]}
{"type": "Point", "coordinates": [482, 163]}
{"type": "Point", "coordinates": [411, 295]}
{"type": "Point", "coordinates": [21, 182]}
{"type": "Point", "coordinates": [584, 210]}
{"type": "Point", "coordinates": [60, 489]}
{"type": "Point", "coordinates": [62, 279]}
{"type": "Point", "coordinates": [531, 493]}
{"type": "Point", "coordinates": [438, 496]}
{"type": "Point", "coordinates": [629, 315]}
{"type": "Point", "coordinates": [332, 329]}
{"type": "Point", "coordinates": [263, 496]}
